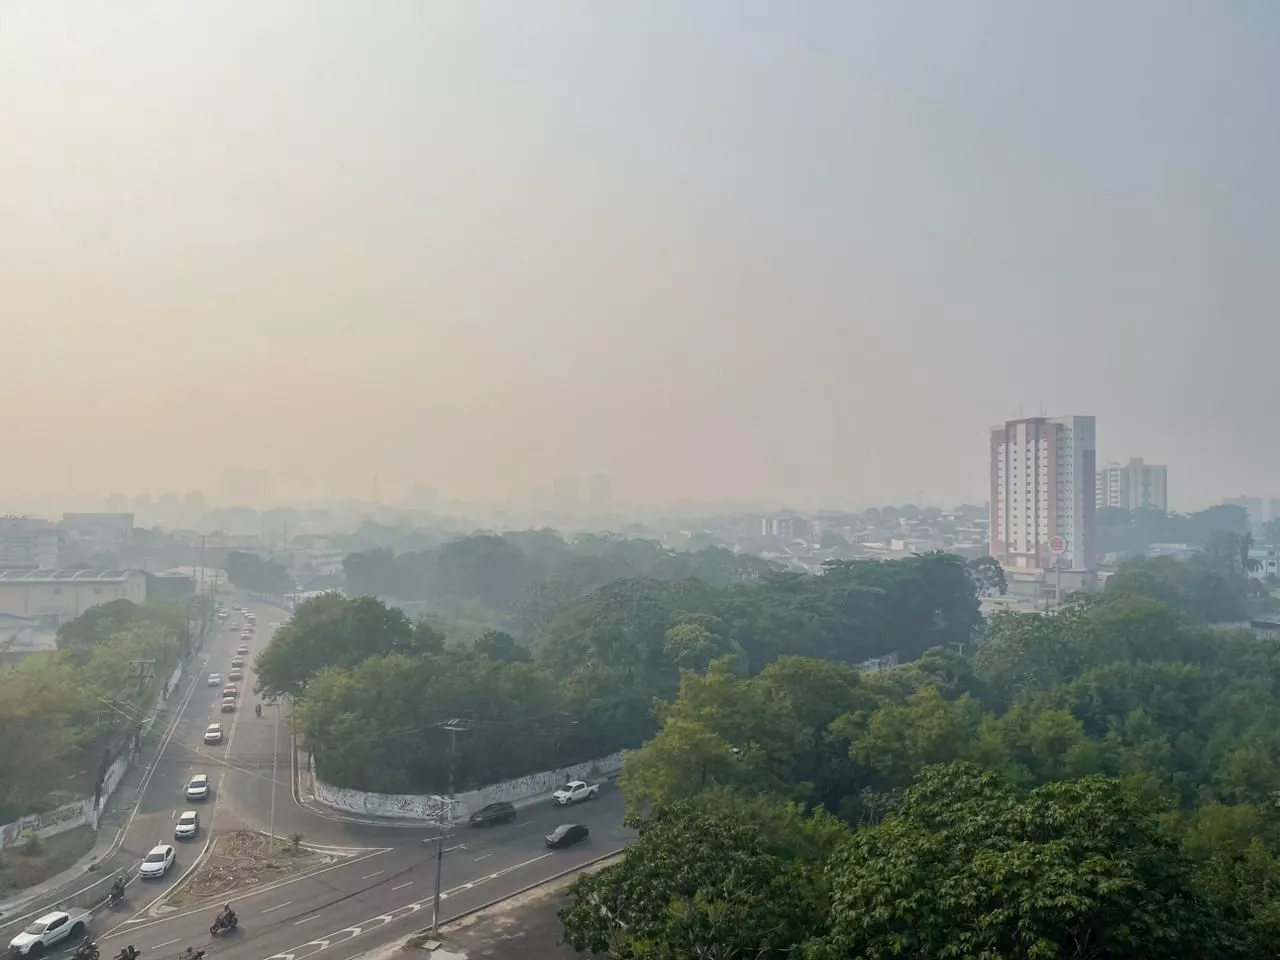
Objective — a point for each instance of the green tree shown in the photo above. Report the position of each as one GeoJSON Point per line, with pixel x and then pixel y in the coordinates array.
{"type": "Point", "coordinates": [970, 867]}
{"type": "Point", "coordinates": [332, 631]}
{"type": "Point", "coordinates": [711, 878]}
{"type": "Point", "coordinates": [988, 577]}
{"type": "Point", "coordinates": [499, 645]}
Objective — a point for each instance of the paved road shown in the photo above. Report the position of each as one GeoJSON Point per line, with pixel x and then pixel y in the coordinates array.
{"type": "Point", "coordinates": [381, 887]}
{"type": "Point", "coordinates": [384, 894]}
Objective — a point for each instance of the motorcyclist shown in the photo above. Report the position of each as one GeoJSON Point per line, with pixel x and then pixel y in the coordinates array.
{"type": "Point", "coordinates": [87, 949]}
{"type": "Point", "coordinates": [129, 953]}
{"type": "Point", "coordinates": [257, 708]}
{"type": "Point", "coordinates": [228, 915]}
{"type": "Point", "coordinates": [117, 889]}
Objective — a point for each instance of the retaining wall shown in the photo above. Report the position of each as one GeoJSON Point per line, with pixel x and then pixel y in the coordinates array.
{"type": "Point", "coordinates": [409, 806]}
{"type": "Point", "coordinates": [80, 812]}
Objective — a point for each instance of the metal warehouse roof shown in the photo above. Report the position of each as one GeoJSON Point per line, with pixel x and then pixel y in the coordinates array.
{"type": "Point", "coordinates": [63, 576]}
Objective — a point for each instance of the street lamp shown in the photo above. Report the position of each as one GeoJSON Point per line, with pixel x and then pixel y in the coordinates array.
{"type": "Point", "coordinates": [454, 727]}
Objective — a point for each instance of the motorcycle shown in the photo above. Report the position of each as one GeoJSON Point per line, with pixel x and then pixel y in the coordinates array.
{"type": "Point", "coordinates": [115, 898]}
{"type": "Point", "coordinates": [224, 923]}
{"type": "Point", "coordinates": [87, 951]}
{"type": "Point", "coordinates": [257, 708]}
{"type": "Point", "coordinates": [190, 954]}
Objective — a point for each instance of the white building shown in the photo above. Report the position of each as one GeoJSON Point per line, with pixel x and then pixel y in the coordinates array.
{"type": "Point", "coordinates": [1043, 475]}
{"type": "Point", "coordinates": [61, 595]}
{"type": "Point", "coordinates": [1134, 486]}
{"type": "Point", "coordinates": [29, 543]}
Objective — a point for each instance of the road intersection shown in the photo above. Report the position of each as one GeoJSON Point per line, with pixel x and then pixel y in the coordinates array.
{"type": "Point", "coordinates": [380, 882]}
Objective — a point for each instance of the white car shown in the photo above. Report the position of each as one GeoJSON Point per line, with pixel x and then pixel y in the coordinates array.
{"type": "Point", "coordinates": [228, 704]}
{"type": "Point", "coordinates": [213, 733]}
{"type": "Point", "coordinates": [576, 790]}
{"type": "Point", "coordinates": [41, 934]}
{"type": "Point", "coordinates": [235, 674]}
{"type": "Point", "coordinates": [198, 787]}
{"type": "Point", "coordinates": [188, 825]}
{"type": "Point", "coordinates": [158, 861]}
{"type": "Point", "coordinates": [215, 679]}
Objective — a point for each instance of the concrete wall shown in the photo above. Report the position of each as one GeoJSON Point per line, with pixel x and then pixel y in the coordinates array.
{"type": "Point", "coordinates": [64, 818]}
{"type": "Point", "coordinates": [407, 806]}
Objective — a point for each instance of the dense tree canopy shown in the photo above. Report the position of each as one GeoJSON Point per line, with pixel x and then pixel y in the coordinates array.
{"type": "Point", "coordinates": [1102, 783]}
{"type": "Point", "coordinates": [593, 663]}
{"type": "Point", "coordinates": [67, 714]}
{"type": "Point", "coordinates": [248, 571]}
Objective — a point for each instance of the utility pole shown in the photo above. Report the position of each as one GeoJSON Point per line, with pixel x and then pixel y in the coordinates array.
{"type": "Point", "coordinates": [454, 727]}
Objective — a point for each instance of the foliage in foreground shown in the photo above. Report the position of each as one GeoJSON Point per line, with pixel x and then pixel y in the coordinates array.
{"type": "Point", "coordinates": [971, 866]}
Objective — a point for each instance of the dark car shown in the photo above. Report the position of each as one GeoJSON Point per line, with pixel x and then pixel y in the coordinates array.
{"type": "Point", "coordinates": [500, 812]}
{"type": "Point", "coordinates": [566, 835]}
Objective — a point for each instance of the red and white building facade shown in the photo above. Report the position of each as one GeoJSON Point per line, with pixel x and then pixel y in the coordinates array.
{"type": "Point", "coordinates": [1043, 482]}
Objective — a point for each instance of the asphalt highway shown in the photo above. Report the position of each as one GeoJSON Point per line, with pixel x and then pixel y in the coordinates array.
{"type": "Point", "coordinates": [381, 883]}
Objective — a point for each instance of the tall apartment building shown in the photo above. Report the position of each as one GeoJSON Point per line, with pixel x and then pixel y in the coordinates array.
{"type": "Point", "coordinates": [1134, 486]}
{"type": "Point", "coordinates": [1043, 478]}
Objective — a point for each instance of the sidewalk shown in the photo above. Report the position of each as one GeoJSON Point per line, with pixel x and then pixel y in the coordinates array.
{"type": "Point", "coordinates": [526, 925]}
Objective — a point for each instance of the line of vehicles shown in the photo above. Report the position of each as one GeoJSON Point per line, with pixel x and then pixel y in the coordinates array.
{"type": "Point", "coordinates": [565, 835]}
{"type": "Point", "coordinates": [56, 926]}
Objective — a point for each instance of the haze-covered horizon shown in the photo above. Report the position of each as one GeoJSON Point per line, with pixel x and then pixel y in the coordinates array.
{"type": "Point", "coordinates": [724, 251]}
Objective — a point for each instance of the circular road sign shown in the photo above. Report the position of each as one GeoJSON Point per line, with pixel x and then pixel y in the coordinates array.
{"type": "Point", "coordinates": [1057, 546]}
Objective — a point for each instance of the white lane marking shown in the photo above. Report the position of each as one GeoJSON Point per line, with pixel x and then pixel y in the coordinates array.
{"type": "Point", "coordinates": [402, 886]}
{"type": "Point", "coordinates": [312, 947]}
{"type": "Point", "coordinates": [314, 916]}
{"type": "Point", "coordinates": [483, 856]}
{"type": "Point", "coordinates": [277, 906]}
{"type": "Point", "coordinates": [370, 876]}
{"type": "Point", "coordinates": [166, 943]}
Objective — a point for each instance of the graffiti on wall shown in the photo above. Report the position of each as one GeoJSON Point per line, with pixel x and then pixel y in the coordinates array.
{"type": "Point", "coordinates": [397, 806]}
{"type": "Point", "coordinates": [407, 806]}
{"type": "Point", "coordinates": [64, 818]}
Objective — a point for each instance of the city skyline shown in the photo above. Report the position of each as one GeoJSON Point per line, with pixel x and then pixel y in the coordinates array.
{"type": "Point", "coordinates": [735, 271]}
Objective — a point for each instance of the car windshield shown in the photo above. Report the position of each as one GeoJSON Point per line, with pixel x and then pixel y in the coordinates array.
{"type": "Point", "coordinates": [35, 929]}
{"type": "Point", "coordinates": [155, 856]}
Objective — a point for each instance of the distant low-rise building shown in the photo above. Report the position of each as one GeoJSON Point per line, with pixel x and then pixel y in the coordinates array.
{"type": "Point", "coordinates": [785, 528]}
{"type": "Point", "coordinates": [96, 533]}
{"type": "Point", "coordinates": [60, 595]}
{"type": "Point", "coordinates": [28, 543]}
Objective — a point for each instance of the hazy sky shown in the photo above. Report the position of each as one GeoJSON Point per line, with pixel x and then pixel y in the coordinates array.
{"type": "Point", "coordinates": [801, 251]}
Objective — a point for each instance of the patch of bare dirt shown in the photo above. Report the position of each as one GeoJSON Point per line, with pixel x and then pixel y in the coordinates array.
{"type": "Point", "coordinates": [244, 860]}
{"type": "Point", "coordinates": [22, 867]}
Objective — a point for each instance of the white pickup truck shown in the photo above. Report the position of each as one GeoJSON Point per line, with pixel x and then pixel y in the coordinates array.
{"type": "Point", "coordinates": [48, 930]}
{"type": "Point", "coordinates": [576, 790]}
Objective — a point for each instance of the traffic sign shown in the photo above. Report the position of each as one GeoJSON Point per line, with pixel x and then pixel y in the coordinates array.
{"type": "Point", "coordinates": [1057, 546]}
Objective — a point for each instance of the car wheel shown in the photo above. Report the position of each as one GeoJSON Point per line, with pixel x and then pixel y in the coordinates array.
{"type": "Point", "coordinates": [37, 949]}
{"type": "Point", "coordinates": [77, 931]}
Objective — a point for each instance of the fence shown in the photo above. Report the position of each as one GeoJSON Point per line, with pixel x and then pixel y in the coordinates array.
{"type": "Point", "coordinates": [84, 812]}
{"type": "Point", "coordinates": [432, 807]}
